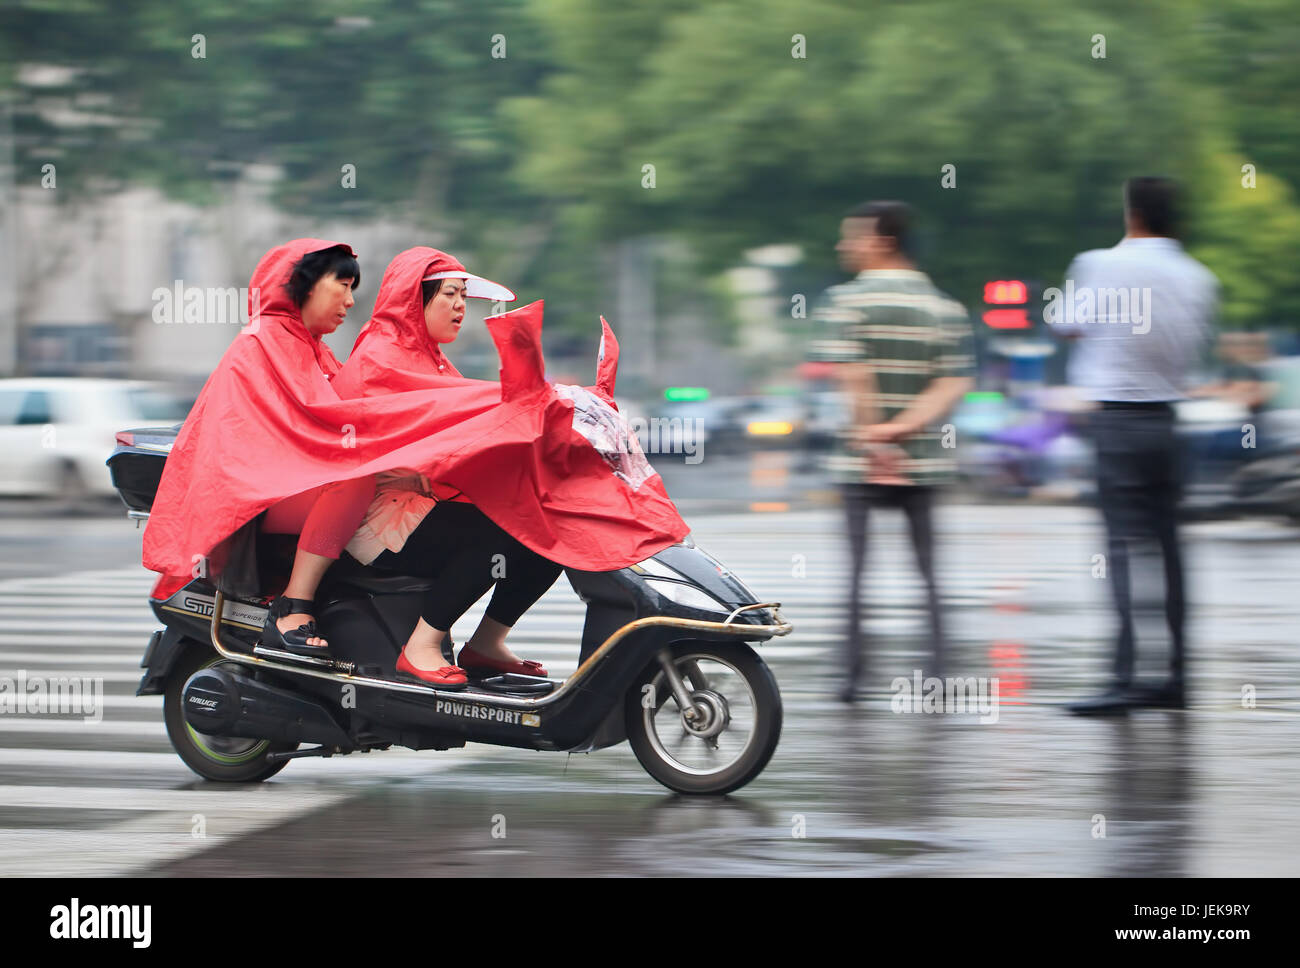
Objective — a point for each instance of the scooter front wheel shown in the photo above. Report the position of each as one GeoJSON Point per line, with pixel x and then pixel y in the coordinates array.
{"type": "Point", "coordinates": [225, 758]}
{"type": "Point", "coordinates": [730, 731]}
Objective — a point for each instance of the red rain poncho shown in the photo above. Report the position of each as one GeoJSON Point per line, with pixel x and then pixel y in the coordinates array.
{"type": "Point", "coordinates": [393, 351]}
{"type": "Point", "coordinates": [554, 466]}
{"type": "Point", "coordinates": [269, 424]}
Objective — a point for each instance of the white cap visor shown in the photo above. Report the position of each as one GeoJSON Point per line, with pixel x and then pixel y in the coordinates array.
{"type": "Point", "coordinates": [476, 287]}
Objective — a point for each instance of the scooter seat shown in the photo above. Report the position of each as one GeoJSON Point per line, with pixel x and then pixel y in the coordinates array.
{"type": "Point", "coordinates": [348, 571]}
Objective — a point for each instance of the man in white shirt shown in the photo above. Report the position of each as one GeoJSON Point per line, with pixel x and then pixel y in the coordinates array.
{"type": "Point", "coordinates": [1139, 315]}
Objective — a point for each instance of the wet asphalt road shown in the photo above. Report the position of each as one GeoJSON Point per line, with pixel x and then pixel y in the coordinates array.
{"type": "Point", "coordinates": [859, 790]}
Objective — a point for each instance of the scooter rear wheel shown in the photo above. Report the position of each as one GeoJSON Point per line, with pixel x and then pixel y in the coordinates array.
{"type": "Point", "coordinates": [224, 758]}
{"type": "Point", "coordinates": [736, 728]}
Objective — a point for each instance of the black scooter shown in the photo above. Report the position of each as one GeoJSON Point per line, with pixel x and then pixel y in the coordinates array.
{"type": "Point", "coordinates": [666, 663]}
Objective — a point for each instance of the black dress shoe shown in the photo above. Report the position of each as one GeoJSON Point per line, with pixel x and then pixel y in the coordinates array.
{"type": "Point", "coordinates": [1166, 695]}
{"type": "Point", "coordinates": [1113, 702]}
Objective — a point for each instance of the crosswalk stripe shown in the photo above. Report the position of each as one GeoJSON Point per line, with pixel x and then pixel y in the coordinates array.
{"type": "Point", "coordinates": [145, 626]}
{"type": "Point", "coordinates": [66, 612]}
{"type": "Point", "coordinates": [8, 658]}
{"type": "Point", "coordinates": [129, 702]}
{"type": "Point", "coordinates": [110, 762]}
{"type": "Point", "coordinates": [46, 724]}
{"type": "Point", "coordinates": [77, 759]}
{"type": "Point", "coordinates": [251, 799]}
{"type": "Point", "coordinates": [106, 676]}
{"type": "Point", "coordinates": [133, 594]}
{"type": "Point", "coordinates": [60, 638]}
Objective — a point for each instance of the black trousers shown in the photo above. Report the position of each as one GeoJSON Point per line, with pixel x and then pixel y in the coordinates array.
{"type": "Point", "coordinates": [466, 552]}
{"type": "Point", "coordinates": [917, 503]}
{"type": "Point", "coordinates": [1139, 481]}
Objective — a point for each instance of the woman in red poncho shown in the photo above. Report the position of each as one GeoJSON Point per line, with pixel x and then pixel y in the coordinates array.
{"type": "Point", "coordinates": [320, 287]}
{"type": "Point", "coordinates": [250, 411]}
{"type": "Point", "coordinates": [420, 306]}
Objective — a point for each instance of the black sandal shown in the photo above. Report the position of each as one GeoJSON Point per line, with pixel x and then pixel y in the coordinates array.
{"type": "Point", "coordinates": [295, 640]}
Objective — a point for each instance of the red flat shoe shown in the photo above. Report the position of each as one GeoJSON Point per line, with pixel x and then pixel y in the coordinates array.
{"type": "Point", "coordinates": [448, 677]}
{"type": "Point", "coordinates": [473, 663]}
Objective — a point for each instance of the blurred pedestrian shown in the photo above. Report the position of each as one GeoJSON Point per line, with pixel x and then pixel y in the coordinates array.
{"type": "Point", "coordinates": [904, 350]}
{"type": "Point", "coordinates": [1242, 383]}
{"type": "Point", "coordinates": [1141, 316]}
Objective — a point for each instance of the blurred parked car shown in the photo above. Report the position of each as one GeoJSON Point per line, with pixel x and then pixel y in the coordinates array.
{"type": "Point", "coordinates": [685, 426]}
{"type": "Point", "coordinates": [56, 432]}
{"type": "Point", "coordinates": [827, 414]}
{"type": "Point", "coordinates": [672, 427]}
{"type": "Point", "coordinates": [1282, 412]}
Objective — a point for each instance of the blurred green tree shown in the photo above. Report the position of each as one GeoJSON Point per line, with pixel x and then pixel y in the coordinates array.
{"type": "Point", "coordinates": [762, 122]}
{"type": "Point", "coordinates": [191, 94]}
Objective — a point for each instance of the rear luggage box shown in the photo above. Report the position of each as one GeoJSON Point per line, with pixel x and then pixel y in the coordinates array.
{"type": "Point", "coordinates": [136, 465]}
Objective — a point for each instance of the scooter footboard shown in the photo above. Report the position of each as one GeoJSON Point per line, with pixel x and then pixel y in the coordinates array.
{"type": "Point", "coordinates": [563, 720]}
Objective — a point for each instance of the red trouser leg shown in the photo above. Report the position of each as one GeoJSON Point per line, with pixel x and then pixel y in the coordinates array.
{"type": "Point", "coordinates": [325, 517]}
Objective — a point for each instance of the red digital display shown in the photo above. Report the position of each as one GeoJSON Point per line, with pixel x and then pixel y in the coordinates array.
{"type": "Point", "coordinates": [1006, 292]}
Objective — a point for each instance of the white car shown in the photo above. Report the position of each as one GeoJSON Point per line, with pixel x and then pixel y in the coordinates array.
{"type": "Point", "coordinates": [56, 432]}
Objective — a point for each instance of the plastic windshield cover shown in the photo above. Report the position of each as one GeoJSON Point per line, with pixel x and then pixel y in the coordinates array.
{"type": "Point", "coordinates": [607, 431]}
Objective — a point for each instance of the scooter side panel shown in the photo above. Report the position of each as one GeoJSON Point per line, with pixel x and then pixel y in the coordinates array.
{"type": "Point", "coordinates": [563, 724]}
{"type": "Point", "coordinates": [187, 618]}
{"type": "Point", "coordinates": [357, 632]}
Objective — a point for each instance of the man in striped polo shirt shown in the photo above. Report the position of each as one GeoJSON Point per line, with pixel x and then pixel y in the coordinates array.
{"type": "Point", "coordinates": [905, 350]}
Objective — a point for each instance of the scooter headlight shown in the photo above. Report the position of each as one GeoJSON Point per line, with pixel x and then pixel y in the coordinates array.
{"type": "Point", "coordinates": [684, 594]}
{"type": "Point", "coordinates": [673, 586]}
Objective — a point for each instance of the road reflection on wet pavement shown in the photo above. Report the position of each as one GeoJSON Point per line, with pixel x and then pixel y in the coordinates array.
{"type": "Point", "coordinates": [866, 790]}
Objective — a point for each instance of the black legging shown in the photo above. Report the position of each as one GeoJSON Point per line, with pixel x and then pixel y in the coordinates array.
{"type": "Point", "coordinates": [460, 547]}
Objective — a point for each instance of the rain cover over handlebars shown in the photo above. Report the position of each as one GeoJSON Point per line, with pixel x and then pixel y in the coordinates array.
{"type": "Point", "coordinates": [608, 432]}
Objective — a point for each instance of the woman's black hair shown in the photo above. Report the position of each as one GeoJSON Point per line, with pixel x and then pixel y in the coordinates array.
{"type": "Point", "coordinates": [308, 270]}
{"type": "Point", "coordinates": [428, 289]}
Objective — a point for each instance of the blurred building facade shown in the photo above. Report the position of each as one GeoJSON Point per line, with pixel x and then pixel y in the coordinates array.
{"type": "Point", "coordinates": [90, 275]}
